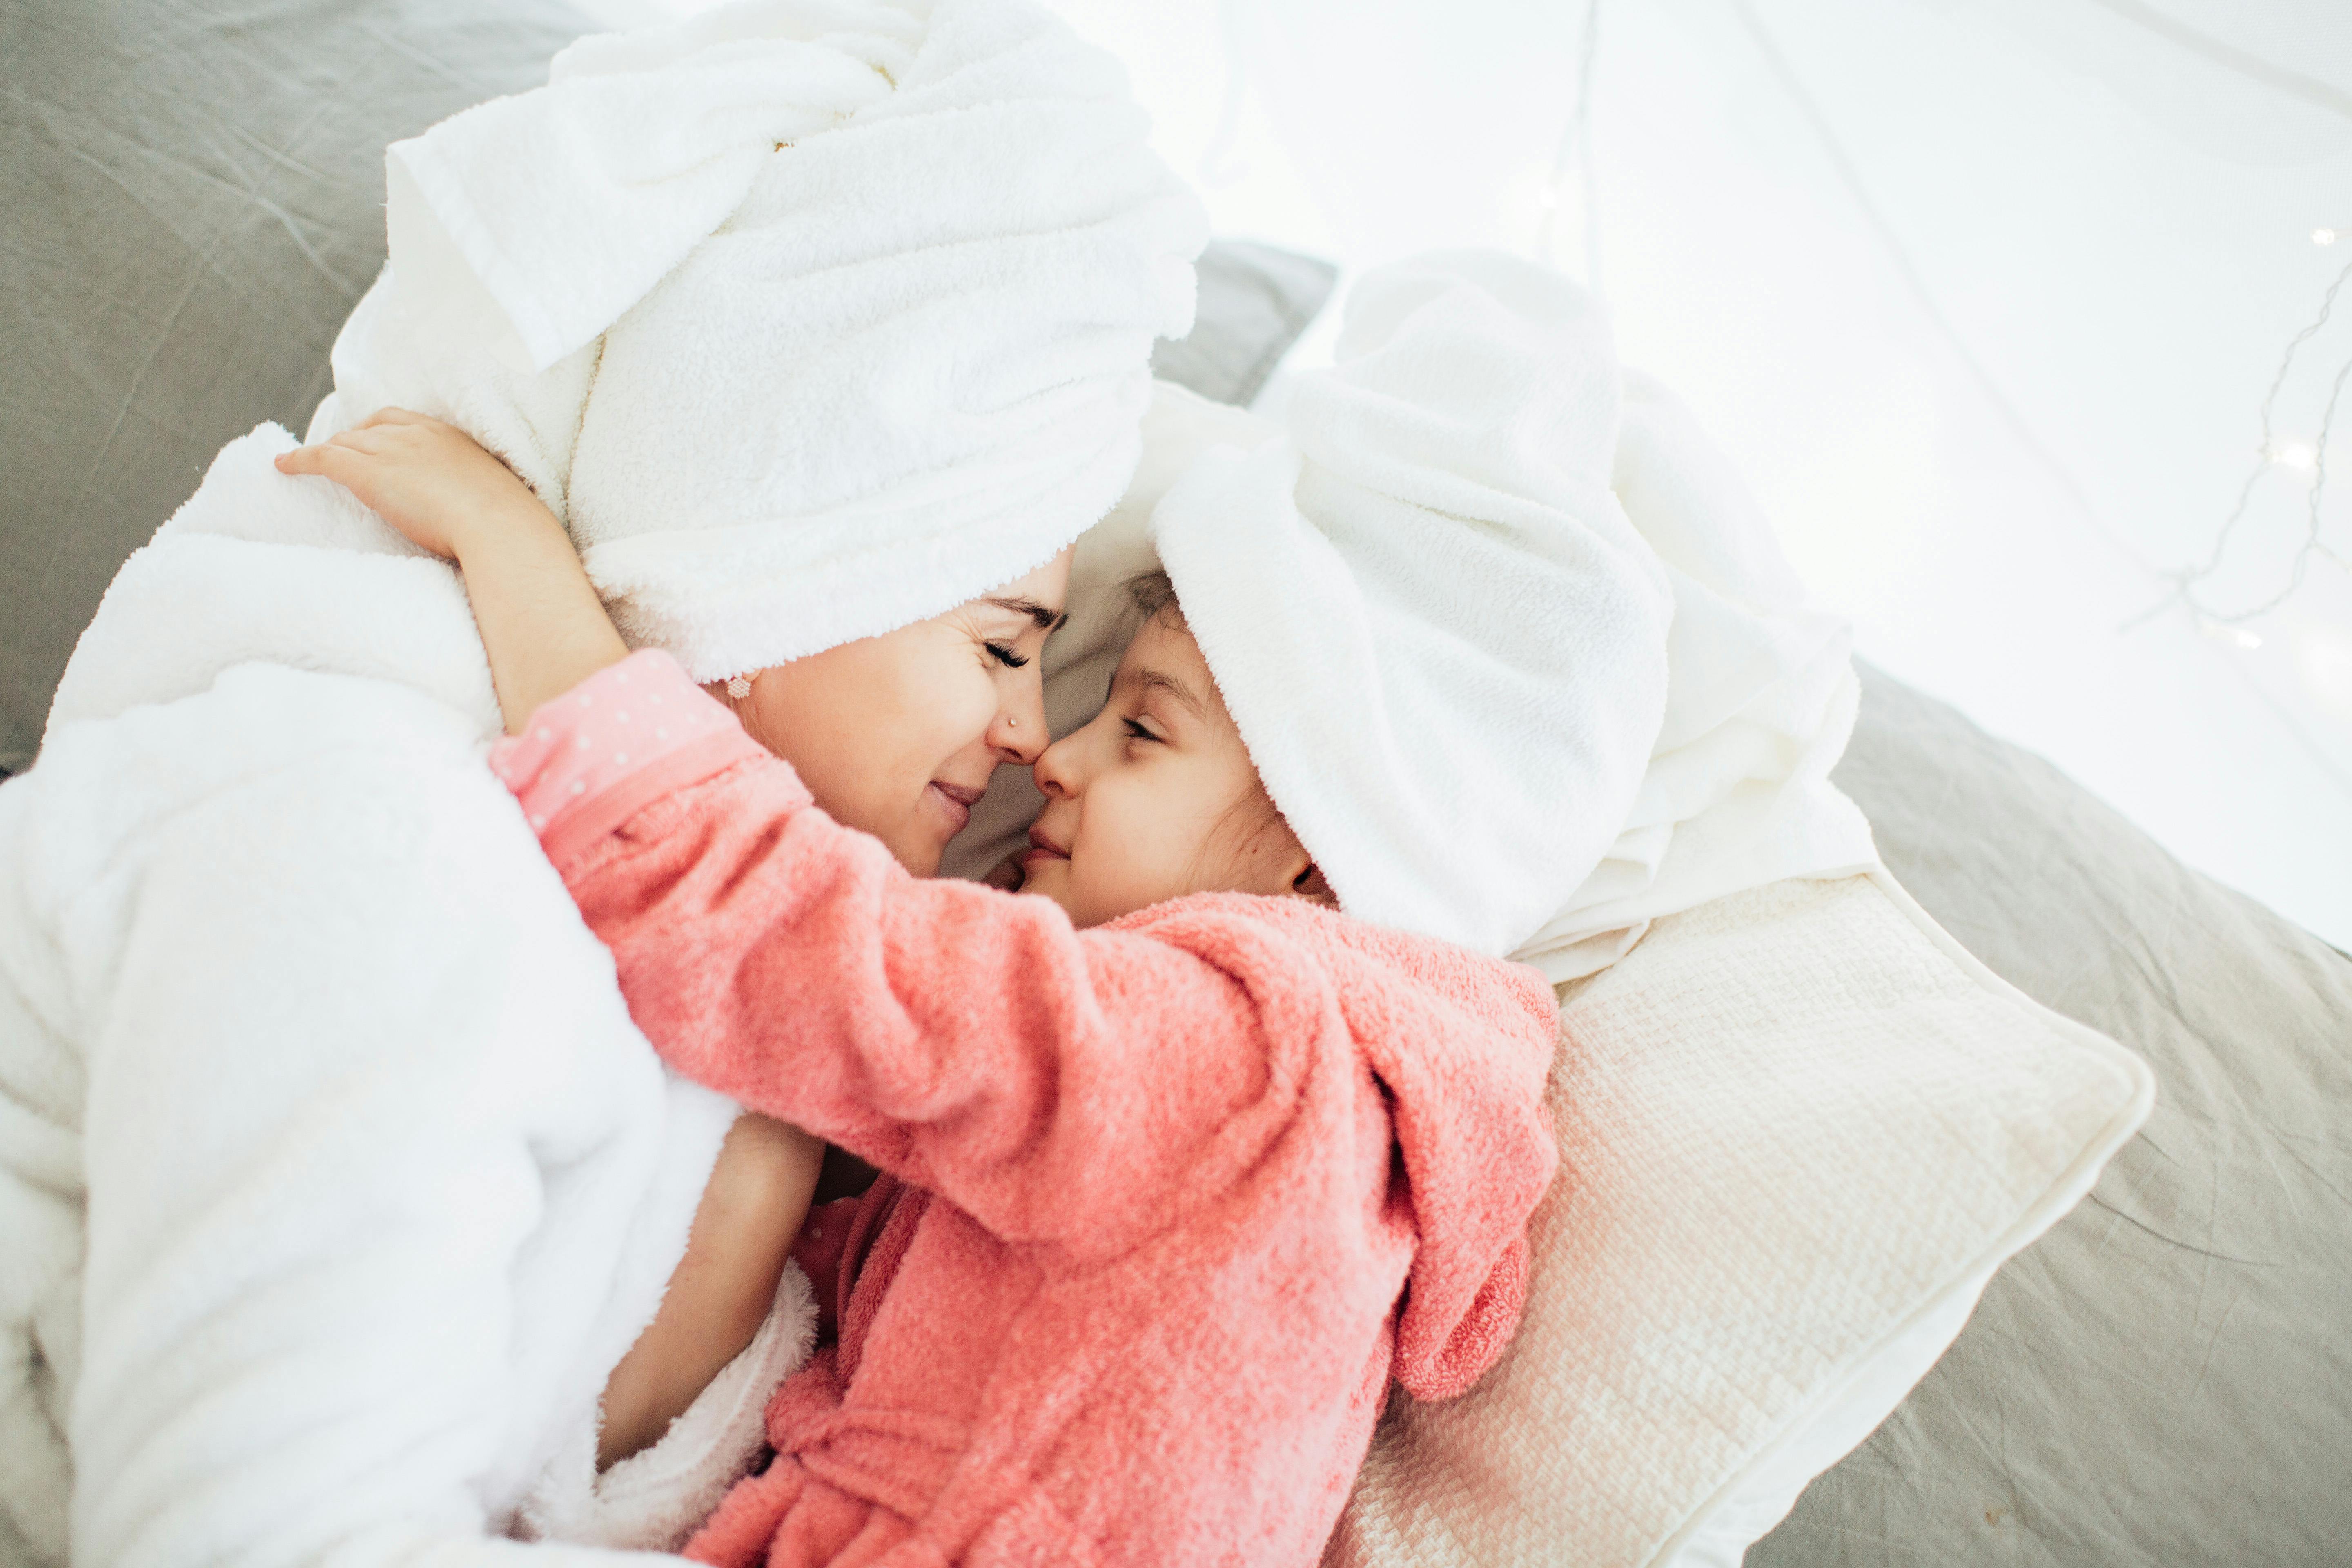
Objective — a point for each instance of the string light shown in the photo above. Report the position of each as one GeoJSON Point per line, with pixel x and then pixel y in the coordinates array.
{"type": "Point", "coordinates": [2304, 456]}
{"type": "Point", "coordinates": [1574, 156]}
{"type": "Point", "coordinates": [2323, 237]}
{"type": "Point", "coordinates": [2238, 637]}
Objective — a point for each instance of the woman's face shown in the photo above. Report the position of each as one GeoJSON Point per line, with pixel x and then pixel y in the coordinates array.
{"type": "Point", "coordinates": [1157, 797]}
{"type": "Point", "coordinates": [899, 734]}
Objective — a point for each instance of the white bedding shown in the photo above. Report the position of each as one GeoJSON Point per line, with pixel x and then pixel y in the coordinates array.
{"type": "Point", "coordinates": [380, 1181]}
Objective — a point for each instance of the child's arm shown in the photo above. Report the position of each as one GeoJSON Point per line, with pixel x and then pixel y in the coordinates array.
{"type": "Point", "coordinates": [1053, 1084]}
{"type": "Point", "coordinates": [541, 623]}
{"type": "Point", "coordinates": [1081, 1088]}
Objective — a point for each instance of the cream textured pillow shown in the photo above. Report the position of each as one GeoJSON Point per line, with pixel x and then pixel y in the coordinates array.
{"type": "Point", "coordinates": [1800, 1128]}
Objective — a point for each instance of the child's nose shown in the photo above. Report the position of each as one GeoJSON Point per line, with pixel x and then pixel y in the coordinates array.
{"type": "Point", "coordinates": [1055, 769]}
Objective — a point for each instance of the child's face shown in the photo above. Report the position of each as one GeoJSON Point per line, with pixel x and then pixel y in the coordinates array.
{"type": "Point", "coordinates": [1157, 797]}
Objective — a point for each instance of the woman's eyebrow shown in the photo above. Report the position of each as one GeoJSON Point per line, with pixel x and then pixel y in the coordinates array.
{"type": "Point", "coordinates": [1045, 620]}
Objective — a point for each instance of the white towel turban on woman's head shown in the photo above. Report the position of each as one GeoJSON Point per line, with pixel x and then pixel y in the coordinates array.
{"type": "Point", "coordinates": [1444, 642]}
{"type": "Point", "coordinates": [812, 318]}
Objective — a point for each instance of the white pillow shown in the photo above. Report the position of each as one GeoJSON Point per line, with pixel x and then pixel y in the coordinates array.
{"type": "Point", "coordinates": [1801, 1127]}
{"type": "Point", "coordinates": [1792, 1068]}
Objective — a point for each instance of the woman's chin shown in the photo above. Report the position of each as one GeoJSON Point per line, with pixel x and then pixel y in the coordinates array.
{"type": "Point", "coordinates": [917, 848]}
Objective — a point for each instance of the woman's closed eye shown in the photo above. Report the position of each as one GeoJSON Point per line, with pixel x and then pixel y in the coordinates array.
{"type": "Point", "coordinates": [1004, 655]}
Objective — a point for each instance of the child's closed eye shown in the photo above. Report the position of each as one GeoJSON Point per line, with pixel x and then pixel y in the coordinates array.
{"type": "Point", "coordinates": [1136, 731]}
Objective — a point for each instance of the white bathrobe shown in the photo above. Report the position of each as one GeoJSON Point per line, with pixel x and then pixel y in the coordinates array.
{"type": "Point", "coordinates": [379, 1179]}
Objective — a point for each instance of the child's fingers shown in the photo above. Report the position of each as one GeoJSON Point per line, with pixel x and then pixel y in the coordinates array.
{"type": "Point", "coordinates": [338, 448]}
{"type": "Point", "coordinates": [359, 439]}
{"type": "Point", "coordinates": [328, 460]}
{"type": "Point", "coordinates": [389, 416]}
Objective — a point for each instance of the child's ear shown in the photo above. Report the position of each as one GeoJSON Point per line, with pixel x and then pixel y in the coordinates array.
{"type": "Point", "coordinates": [1309, 885]}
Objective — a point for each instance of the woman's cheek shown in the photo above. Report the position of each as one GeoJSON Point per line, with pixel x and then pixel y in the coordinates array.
{"type": "Point", "coordinates": [965, 708]}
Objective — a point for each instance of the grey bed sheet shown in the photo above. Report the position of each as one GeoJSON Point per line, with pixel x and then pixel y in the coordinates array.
{"type": "Point", "coordinates": [2166, 1378]}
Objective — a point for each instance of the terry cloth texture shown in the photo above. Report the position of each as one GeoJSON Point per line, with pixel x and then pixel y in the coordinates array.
{"type": "Point", "coordinates": [811, 318]}
{"type": "Point", "coordinates": [1136, 1300]}
{"type": "Point", "coordinates": [334, 1177]}
{"type": "Point", "coordinates": [1443, 640]}
{"type": "Point", "coordinates": [655, 1499]}
{"type": "Point", "coordinates": [1760, 697]}
{"type": "Point", "coordinates": [1760, 688]}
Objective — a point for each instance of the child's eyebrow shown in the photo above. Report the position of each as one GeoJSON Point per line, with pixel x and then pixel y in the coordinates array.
{"type": "Point", "coordinates": [1046, 620]}
{"type": "Point", "coordinates": [1148, 678]}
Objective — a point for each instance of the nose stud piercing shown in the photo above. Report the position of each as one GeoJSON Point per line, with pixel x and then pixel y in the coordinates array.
{"type": "Point", "coordinates": [1011, 723]}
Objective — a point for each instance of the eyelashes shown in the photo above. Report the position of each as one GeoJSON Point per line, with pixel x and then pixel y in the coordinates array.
{"type": "Point", "coordinates": [1136, 731]}
{"type": "Point", "coordinates": [1002, 653]}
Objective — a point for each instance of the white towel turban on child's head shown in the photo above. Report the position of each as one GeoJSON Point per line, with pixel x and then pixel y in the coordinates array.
{"type": "Point", "coordinates": [1443, 640]}
{"type": "Point", "coordinates": [812, 318]}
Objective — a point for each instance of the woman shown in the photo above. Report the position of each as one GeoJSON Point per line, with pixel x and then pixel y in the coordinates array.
{"type": "Point", "coordinates": [258, 1257]}
{"type": "Point", "coordinates": [895, 735]}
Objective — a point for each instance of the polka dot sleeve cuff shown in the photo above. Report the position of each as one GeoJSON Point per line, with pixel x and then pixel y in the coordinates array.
{"type": "Point", "coordinates": [623, 736]}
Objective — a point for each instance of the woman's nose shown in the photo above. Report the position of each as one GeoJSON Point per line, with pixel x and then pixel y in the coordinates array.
{"type": "Point", "coordinates": [1019, 733]}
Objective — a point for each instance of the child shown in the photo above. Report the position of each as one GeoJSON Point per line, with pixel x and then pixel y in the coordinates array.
{"type": "Point", "coordinates": [1181, 1165]}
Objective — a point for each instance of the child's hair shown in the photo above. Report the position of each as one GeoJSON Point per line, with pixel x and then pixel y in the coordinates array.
{"type": "Point", "coordinates": [1153, 594]}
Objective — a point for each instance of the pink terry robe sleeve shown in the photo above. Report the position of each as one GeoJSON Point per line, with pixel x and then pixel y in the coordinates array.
{"type": "Point", "coordinates": [1063, 1086]}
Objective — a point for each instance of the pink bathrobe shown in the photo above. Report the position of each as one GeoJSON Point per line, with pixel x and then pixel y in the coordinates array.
{"type": "Point", "coordinates": [1168, 1203]}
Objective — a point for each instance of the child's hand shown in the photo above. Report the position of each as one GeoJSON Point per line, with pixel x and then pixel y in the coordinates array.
{"type": "Point", "coordinates": [426, 479]}
{"type": "Point", "coordinates": [542, 623]}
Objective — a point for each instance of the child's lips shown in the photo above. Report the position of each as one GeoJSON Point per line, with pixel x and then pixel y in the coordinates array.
{"type": "Point", "coordinates": [1042, 848]}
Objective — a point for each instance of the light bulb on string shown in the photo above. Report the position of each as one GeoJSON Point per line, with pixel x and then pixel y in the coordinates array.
{"type": "Point", "coordinates": [2237, 636]}
{"type": "Point", "coordinates": [2308, 456]}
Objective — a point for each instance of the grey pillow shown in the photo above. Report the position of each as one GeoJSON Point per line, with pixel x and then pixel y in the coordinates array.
{"type": "Point", "coordinates": [2166, 1378]}
{"type": "Point", "coordinates": [194, 192]}
{"type": "Point", "coordinates": [1254, 302]}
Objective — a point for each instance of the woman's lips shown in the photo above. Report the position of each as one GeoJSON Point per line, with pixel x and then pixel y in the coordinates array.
{"type": "Point", "coordinates": [956, 801]}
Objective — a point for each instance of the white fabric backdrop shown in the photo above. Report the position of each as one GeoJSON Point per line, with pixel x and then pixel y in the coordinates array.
{"type": "Point", "coordinates": [1983, 296]}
